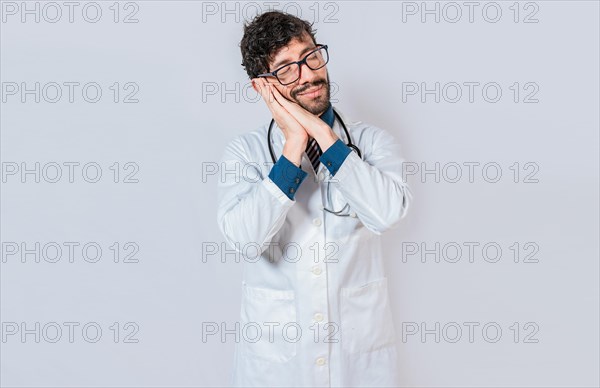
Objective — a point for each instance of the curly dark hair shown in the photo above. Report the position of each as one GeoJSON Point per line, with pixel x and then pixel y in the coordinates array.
{"type": "Point", "coordinates": [266, 34]}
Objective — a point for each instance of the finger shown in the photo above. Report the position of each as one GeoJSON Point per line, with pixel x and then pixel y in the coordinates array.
{"type": "Point", "coordinates": [294, 109]}
{"type": "Point", "coordinates": [278, 97]}
{"type": "Point", "coordinates": [263, 88]}
{"type": "Point", "coordinates": [300, 115]}
{"type": "Point", "coordinates": [282, 100]}
{"type": "Point", "coordinates": [281, 108]}
{"type": "Point", "coordinates": [272, 90]}
{"type": "Point", "coordinates": [266, 95]}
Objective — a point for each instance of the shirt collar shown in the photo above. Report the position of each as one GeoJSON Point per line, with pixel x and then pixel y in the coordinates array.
{"type": "Point", "coordinates": [328, 116]}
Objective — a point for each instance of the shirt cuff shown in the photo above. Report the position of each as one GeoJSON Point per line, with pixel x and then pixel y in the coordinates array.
{"type": "Point", "coordinates": [287, 176]}
{"type": "Point", "coordinates": [335, 156]}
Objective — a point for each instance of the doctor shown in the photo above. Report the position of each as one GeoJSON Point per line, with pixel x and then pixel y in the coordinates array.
{"type": "Point", "coordinates": [305, 200]}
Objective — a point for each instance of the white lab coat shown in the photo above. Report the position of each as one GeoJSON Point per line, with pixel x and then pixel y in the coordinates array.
{"type": "Point", "coordinates": [315, 308]}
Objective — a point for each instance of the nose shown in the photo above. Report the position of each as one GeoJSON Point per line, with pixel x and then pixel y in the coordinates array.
{"type": "Point", "coordinates": [307, 75]}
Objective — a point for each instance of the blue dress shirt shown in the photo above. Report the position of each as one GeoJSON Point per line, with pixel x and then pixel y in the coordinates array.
{"type": "Point", "coordinates": [288, 177]}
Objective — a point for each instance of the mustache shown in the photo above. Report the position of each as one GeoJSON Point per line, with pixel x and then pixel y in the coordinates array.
{"type": "Point", "coordinates": [309, 86]}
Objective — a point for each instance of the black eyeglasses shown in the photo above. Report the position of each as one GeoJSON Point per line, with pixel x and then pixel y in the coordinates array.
{"type": "Point", "coordinates": [290, 73]}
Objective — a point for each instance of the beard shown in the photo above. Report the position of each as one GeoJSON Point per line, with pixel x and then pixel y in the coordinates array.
{"type": "Point", "coordinates": [316, 105]}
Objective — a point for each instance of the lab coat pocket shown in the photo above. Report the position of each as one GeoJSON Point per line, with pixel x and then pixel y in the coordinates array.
{"type": "Point", "coordinates": [366, 317]}
{"type": "Point", "coordinates": [269, 330]}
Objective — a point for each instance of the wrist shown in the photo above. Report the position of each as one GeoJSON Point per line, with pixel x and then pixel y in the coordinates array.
{"type": "Point", "coordinates": [326, 138]}
{"type": "Point", "coordinates": [293, 150]}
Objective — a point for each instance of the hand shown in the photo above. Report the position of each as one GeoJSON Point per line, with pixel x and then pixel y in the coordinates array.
{"type": "Point", "coordinates": [314, 126]}
{"type": "Point", "coordinates": [295, 134]}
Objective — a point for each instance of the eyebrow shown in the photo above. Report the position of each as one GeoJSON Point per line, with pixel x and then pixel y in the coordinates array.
{"type": "Point", "coordinates": [278, 64]}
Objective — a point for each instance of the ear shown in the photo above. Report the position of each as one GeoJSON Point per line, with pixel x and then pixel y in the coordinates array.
{"type": "Point", "coordinates": [254, 85]}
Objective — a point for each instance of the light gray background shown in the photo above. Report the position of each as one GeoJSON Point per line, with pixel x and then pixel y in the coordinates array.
{"type": "Point", "coordinates": [177, 130]}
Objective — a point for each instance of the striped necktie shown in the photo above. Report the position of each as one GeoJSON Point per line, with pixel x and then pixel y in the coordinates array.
{"type": "Point", "coordinates": [313, 151]}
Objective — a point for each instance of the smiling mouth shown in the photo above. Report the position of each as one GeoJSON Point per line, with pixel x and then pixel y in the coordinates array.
{"type": "Point", "coordinates": [310, 91]}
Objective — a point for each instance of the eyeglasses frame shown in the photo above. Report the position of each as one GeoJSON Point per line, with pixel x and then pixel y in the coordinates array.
{"type": "Point", "coordinates": [299, 63]}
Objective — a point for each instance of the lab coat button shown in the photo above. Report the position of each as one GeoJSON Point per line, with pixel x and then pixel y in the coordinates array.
{"type": "Point", "coordinates": [318, 317]}
{"type": "Point", "coordinates": [329, 164]}
{"type": "Point", "coordinates": [320, 361]}
{"type": "Point", "coordinates": [317, 270]}
{"type": "Point", "coordinates": [292, 190]}
{"type": "Point", "coordinates": [317, 222]}
{"type": "Point", "coordinates": [297, 180]}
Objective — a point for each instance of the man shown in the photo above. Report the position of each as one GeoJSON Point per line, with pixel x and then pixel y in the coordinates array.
{"type": "Point", "coordinates": [315, 308]}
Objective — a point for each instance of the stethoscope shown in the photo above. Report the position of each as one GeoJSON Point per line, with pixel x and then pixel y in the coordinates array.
{"type": "Point", "coordinates": [349, 144]}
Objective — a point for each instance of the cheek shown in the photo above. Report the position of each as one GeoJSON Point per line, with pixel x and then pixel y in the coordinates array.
{"type": "Point", "coordinates": [287, 93]}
